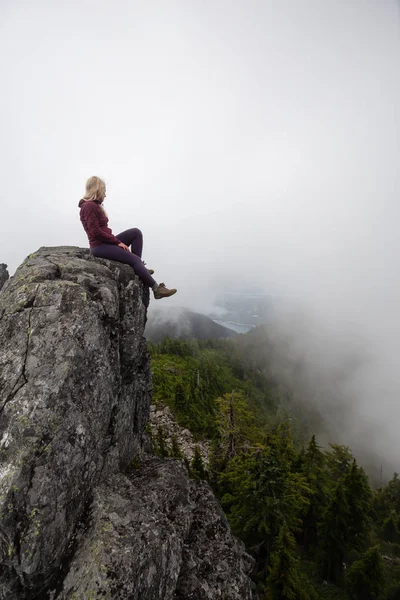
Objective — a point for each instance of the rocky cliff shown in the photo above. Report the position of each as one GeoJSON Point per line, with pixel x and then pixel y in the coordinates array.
{"type": "Point", "coordinates": [85, 513]}
{"type": "Point", "coordinates": [3, 274]}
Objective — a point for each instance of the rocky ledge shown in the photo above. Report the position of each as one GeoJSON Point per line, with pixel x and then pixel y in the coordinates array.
{"type": "Point", "coordinates": [84, 512]}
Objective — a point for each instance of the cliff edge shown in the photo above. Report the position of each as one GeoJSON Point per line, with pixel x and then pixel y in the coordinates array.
{"type": "Point", "coordinates": [85, 513]}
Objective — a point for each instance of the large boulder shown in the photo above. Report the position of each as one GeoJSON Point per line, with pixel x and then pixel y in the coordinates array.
{"type": "Point", "coordinates": [75, 391]}
{"type": "Point", "coordinates": [83, 512]}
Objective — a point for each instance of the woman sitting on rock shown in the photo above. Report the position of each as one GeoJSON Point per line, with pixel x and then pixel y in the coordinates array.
{"type": "Point", "coordinates": [104, 244]}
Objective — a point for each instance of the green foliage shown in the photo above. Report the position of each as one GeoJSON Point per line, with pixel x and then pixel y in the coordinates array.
{"type": "Point", "coordinates": [190, 376]}
{"type": "Point", "coordinates": [346, 523]}
{"type": "Point", "coordinates": [390, 530]}
{"type": "Point", "coordinates": [262, 492]}
{"type": "Point", "coordinates": [338, 459]}
{"type": "Point", "coordinates": [175, 451]}
{"type": "Point", "coordinates": [160, 443]}
{"type": "Point", "coordinates": [359, 502]}
{"type": "Point", "coordinates": [217, 464]}
{"type": "Point", "coordinates": [391, 494]}
{"type": "Point", "coordinates": [285, 580]}
{"type": "Point", "coordinates": [313, 462]}
{"type": "Point", "coordinates": [365, 578]}
{"type": "Point", "coordinates": [386, 502]}
{"type": "Point", "coordinates": [197, 469]}
{"type": "Point", "coordinates": [180, 398]}
{"type": "Point", "coordinates": [334, 544]}
{"type": "Point", "coordinates": [304, 514]}
{"type": "Point", "coordinates": [313, 466]}
{"type": "Point", "coordinates": [235, 424]}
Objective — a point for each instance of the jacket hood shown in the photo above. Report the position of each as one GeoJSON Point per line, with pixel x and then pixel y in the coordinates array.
{"type": "Point", "coordinates": [82, 202]}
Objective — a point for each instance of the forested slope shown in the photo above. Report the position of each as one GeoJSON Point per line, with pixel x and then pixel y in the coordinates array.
{"type": "Point", "coordinates": [307, 514]}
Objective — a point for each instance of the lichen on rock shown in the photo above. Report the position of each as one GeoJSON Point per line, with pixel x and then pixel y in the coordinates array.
{"type": "Point", "coordinates": [83, 512]}
{"type": "Point", "coordinates": [162, 417]}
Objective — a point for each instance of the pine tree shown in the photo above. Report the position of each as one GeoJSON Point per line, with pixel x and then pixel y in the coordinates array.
{"type": "Point", "coordinates": [262, 491]}
{"type": "Point", "coordinates": [313, 458]}
{"type": "Point", "coordinates": [161, 445]}
{"type": "Point", "coordinates": [285, 581]}
{"type": "Point", "coordinates": [338, 461]}
{"type": "Point", "coordinates": [387, 499]}
{"type": "Point", "coordinates": [234, 421]}
{"type": "Point", "coordinates": [197, 467]}
{"type": "Point", "coordinates": [175, 452]}
{"type": "Point", "coordinates": [313, 468]}
{"type": "Point", "coordinates": [285, 437]}
{"type": "Point", "coordinates": [365, 579]}
{"type": "Point", "coordinates": [390, 531]}
{"type": "Point", "coordinates": [217, 465]}
{"type": "Point", "coordinates": [359, 502]}
{"type": "Point", "coordinates": [180, 399]}
{"type": "Point", "coordinates": [334, 544]}
{"type": "Point", "coordinates": [346, 524]}
{"type": "Point", "coordinates": [392, 493]}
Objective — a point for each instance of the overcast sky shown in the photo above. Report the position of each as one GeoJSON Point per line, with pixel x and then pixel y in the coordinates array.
{"type": "Point", "coordinates": [255, 143]}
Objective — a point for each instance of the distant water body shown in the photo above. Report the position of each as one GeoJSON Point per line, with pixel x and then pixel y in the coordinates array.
{"type": "Point", "coordinates": [238, 327]}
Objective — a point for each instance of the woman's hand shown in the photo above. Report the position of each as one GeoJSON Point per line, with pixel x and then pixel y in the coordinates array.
{"type": "Point", "coordinates": [121, 245]}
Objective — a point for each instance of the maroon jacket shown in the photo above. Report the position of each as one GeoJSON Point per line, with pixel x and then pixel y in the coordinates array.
{"type": "Point", "coordinates": [95, 221]}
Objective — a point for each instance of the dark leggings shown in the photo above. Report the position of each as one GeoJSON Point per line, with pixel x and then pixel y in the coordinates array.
{"type": "Point", "coordinates": [134, 239]}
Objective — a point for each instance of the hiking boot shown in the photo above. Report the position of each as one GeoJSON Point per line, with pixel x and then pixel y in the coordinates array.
{"type": "Point", "coordinates": [163, 292]}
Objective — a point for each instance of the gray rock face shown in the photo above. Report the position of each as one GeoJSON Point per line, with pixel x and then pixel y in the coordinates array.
{"type": "Point", "coordinates": [214, 564]}
{"type": "Point", "coordinates": [3, 274]}
{"type": "Point", "coordinates": [167, 532]}
{"type": "Point", "coordinates": [83, 513]}
{"type": "Point", "coordinates": [161, 417]}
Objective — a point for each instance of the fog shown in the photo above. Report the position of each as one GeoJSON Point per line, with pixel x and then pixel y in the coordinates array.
{"type": "Point", "coordinates": [256, 144]}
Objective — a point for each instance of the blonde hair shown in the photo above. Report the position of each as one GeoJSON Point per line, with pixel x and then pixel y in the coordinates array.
{"type": "Point", "coordinates": [95, 189]}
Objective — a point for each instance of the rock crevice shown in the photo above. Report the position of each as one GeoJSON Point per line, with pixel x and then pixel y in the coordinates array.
{"type": "Point", "coordinates": [84, 513]}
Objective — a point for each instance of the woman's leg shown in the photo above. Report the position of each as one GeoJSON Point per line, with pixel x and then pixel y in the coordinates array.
{"type": "Point", "coordinates": [127, 258]}
{"type": "Point", "coordinates": [134, 239]}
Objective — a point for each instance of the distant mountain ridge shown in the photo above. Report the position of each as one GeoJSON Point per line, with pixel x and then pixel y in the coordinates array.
{"type": "Point", "coordinates": [183, 324]}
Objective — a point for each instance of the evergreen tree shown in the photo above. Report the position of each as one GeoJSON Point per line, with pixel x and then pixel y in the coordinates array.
{"type": "Point", "coordinates": [346, 523]}
{"type": "Point", "coordinates": [234, 422]}
{"type": "Point", "coordinates": [197, 467]}
{"type": "Point", "coordinates": [180, 399]}
{"type": "Point", "coordinates": [217, 464]}
{"type": "Point", "coordinates": [359, 502]}
{"type": "Point", "coordinates": [390, 531]}
{"type": "Point", "coordinates": [338, 461]}
{"type": "Point", "coordinates": [365, 578]}
{"type": "Point", "coordinates": [175, 449]}
{"type": "Point", "coordinates": [387, 499]}
{"type": "Point", "coordinates": [323, 498]}
{"type": "Point", "coordinates": [392, 493]}
{"type": "Point", "coordinates": [285, 581]}
{"type": "Point", "coordinates": [161, 445]}
{"type": "Point", "coordinates": [313, 469]}
{"type": "Point", "coordinates": [334, 544]}
{"type": "Point", "coordinates": [284, 435]}
{"type": "Point", "coordinates": [313, 459]}
{"type": "Point", "coordinates": [262, 491]}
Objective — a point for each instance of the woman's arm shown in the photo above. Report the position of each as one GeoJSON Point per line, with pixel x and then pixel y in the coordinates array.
{"type": "Point", "coordinates": [93, 225]}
